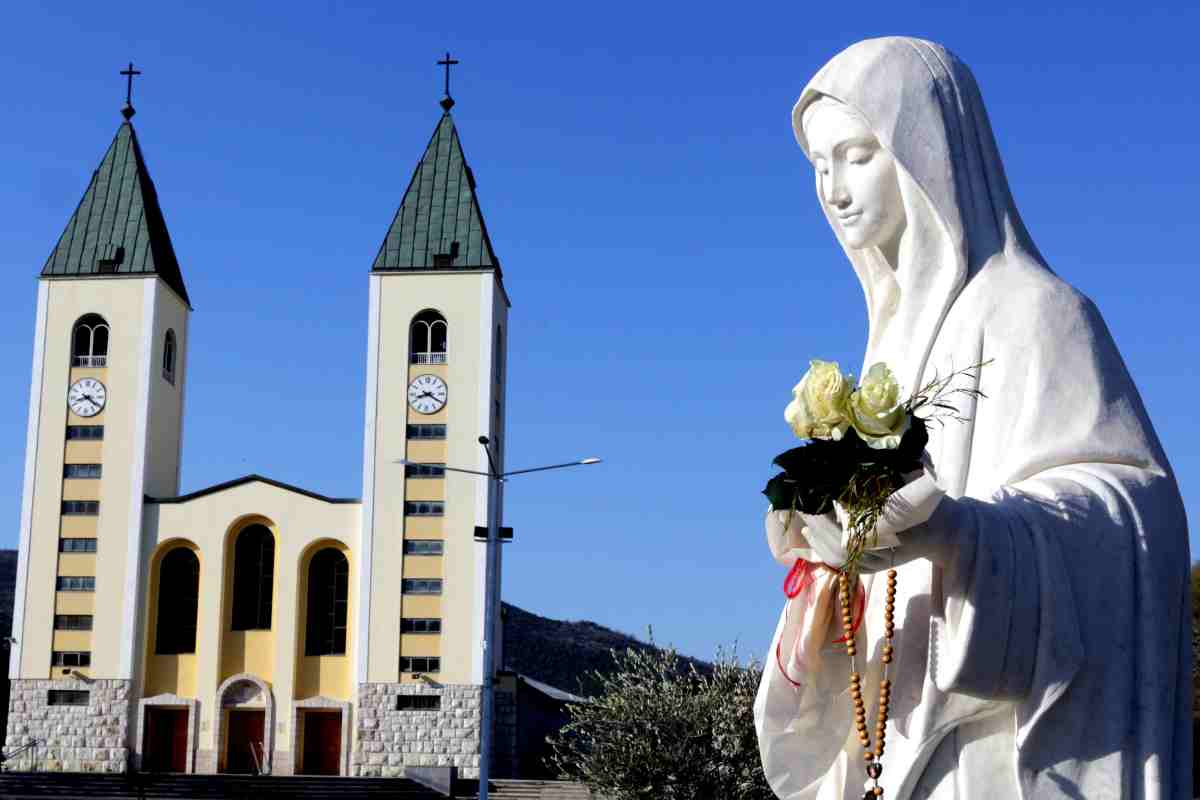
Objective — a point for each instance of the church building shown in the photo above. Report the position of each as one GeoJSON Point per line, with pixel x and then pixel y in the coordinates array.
{"type": "Point", "coordinates": [253, 625]}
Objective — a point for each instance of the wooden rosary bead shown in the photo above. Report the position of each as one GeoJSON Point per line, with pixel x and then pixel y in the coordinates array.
{"type": "Point", "coordinates": [872, 750]}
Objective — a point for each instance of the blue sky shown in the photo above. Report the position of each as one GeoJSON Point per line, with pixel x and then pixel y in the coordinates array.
{"type": "Point", "coordinates": [670, 270]}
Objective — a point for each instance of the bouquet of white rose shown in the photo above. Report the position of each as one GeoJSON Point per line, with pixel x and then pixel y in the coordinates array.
{"type": "Point", "coordinates": [864, 444]}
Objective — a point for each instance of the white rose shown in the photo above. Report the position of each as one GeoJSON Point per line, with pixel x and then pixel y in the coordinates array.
{"type": "Point", "coordinates": [876, 411]}
{"type": "Point", "coordinates": [818, 408]}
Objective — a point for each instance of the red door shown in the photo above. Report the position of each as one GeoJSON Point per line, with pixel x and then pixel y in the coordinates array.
{"type": "Point", "coordinates": [322, 743]}
{"type": "Point", "coordinates": [245, 738]}
{"type": "Point", "coordinates": [165, 744]}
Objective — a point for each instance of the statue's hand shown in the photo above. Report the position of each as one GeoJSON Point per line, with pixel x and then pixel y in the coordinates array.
{"type": "Point", "coordinates": [785, 536]}
{"type": "Point", "coordinates": [816, 538]}
{"type": "Point", "coordinates": [918, 522]}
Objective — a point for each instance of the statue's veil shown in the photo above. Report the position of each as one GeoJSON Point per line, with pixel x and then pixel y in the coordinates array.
{"type": "Point", "coordinates": [924, 107]}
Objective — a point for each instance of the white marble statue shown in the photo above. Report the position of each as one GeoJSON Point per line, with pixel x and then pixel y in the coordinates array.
{"type": "Point", "coordinates": [1042, 621]}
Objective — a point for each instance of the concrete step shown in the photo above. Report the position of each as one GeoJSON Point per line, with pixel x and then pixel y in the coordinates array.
{"type": "Point", "coordinates": [539, 790]}
{"type": "Point", "coordinates": [22, 785]}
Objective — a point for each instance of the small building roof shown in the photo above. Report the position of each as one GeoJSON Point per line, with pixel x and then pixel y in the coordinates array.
{"type": "Point", "coordinates": [118, 228]}
{"type": "Point", "coordinates": [551, 691]}
{"type": "Point", "coordinates": [439, 223]}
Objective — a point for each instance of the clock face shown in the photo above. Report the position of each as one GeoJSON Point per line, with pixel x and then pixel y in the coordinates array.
{"type": "Point", "coordinates": [86, 397]}
{"type": "Point", "coordinates": [427, 394]}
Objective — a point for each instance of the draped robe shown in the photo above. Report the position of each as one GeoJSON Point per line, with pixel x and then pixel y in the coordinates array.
{"type": "Point", "coordinates": [1051, 656]}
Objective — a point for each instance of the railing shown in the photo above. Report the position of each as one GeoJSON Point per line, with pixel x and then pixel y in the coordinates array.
{"type": "Point", "coordinates": [90, 361]}
{"type": "Point", "coordinates": [428, 358]}
{"type": "Point", "coordinates": [258, 753]}
{"type": "Point", "coordinates": [10, 755]}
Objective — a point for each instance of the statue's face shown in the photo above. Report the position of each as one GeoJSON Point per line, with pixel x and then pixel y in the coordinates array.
{"type": "Point", "coordinates": [856, 177]}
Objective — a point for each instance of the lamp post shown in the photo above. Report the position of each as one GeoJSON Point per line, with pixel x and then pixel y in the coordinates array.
{"type": "Point", "coordinates": [495, 480]}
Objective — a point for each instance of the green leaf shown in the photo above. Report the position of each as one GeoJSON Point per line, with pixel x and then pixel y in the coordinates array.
{"type": "Point", "coordinates": [781, 491]}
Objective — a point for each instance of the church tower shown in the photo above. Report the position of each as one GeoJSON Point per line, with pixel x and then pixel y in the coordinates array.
{"type": "Point", "coordinates": [438, 318]}
{"type": "Point", "coordinates": [104, 431]}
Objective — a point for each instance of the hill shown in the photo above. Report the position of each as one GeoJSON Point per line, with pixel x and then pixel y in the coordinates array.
{"type": "Point", "coordinates": [8, 583]}
{"type": "Point", "coordinates": [564, 654]}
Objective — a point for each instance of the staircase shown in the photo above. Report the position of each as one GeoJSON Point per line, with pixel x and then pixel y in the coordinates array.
{"type": "Point", "coordinates": [536, 790]}
{"type": "Point", "coordinates": [147, 786]}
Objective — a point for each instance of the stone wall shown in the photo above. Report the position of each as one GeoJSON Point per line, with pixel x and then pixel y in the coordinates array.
{"type": "Point", "coordinates": [389, 739]}
{"type": "Point", "coordinates": [82, 738]}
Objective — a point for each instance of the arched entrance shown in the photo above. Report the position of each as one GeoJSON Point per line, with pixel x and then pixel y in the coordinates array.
{"type": "Point", "coordinates": [246, 737]}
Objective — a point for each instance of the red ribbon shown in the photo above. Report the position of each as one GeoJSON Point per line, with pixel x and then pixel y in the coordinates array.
{"type": "Point", "coordinates": [798, 578]}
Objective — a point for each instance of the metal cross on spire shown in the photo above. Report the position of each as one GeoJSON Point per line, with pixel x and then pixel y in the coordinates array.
{"type": "Point", "coordinates": [127, 112]}
{"type": "Point", "coordinates": [447, 102]}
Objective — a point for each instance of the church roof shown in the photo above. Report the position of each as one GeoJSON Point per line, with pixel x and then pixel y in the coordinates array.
{"type": "Point", "coordinates": [118, 228]}
{"type": "Point", "coordinates": [439, 223]}
{"type": "Point", "coordinates": [251, 478]}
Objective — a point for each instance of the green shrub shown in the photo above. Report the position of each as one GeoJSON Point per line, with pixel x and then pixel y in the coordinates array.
{"type": "Point", "coordinates": [661, 728]}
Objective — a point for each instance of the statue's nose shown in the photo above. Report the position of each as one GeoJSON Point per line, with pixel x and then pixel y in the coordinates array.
{"type": "Point", "coordinates": [836, 193]}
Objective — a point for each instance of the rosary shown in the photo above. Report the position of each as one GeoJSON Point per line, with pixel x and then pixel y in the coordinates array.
{"type": "Point", "coordinates": [871, 755]}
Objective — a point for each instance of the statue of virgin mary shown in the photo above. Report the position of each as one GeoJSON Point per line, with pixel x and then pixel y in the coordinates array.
{"type": "Point", "coordinates": [1042, 621]}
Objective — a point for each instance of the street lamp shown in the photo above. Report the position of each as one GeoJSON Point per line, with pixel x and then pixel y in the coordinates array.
{"type": "Point", "coordinates": [495, 479]}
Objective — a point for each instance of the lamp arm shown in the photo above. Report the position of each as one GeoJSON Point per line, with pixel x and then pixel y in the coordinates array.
{"type": "Point", "coordinates": [543, 469]}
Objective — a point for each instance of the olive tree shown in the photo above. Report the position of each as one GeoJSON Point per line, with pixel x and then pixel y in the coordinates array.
{"type": "Point", "coordinates": [661, 727]}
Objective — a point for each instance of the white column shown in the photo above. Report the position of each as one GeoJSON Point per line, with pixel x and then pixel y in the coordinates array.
{"type": "Point", "coordinates": [137, 491]}
{"type": "Point", "coordinates": [31, 462]}
{"type": "Point", "coordinates": [364, 551]}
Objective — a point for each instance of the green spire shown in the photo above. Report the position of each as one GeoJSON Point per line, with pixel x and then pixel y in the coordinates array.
{"type": "Point", "coordinates": [439, 223]}
{"type": "Point", "coordinates": [118, 228]}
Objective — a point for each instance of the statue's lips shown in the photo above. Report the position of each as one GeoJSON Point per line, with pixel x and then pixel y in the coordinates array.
{"type": "Point", "coordinates": [850, 219]}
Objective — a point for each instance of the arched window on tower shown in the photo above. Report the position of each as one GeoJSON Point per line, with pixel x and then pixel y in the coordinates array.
{"type": "Point", "coordinates": [169, 357]}
{"type": "Point", "coordinates": [427, 338]}
{"type": "Point", "coordinates": [328, 587]}
{"type": "Point", "coordinates": [253, 579]}
{"type": "Point", "coordinates": [178, 602]}
{"type": "Point", "coordinates": [89, 342]}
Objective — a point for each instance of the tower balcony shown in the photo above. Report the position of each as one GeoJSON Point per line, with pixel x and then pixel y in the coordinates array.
{"type": "Point", "coordinates": [428, 358]}
{"type": "Point", "coordinates": [89, 361]}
